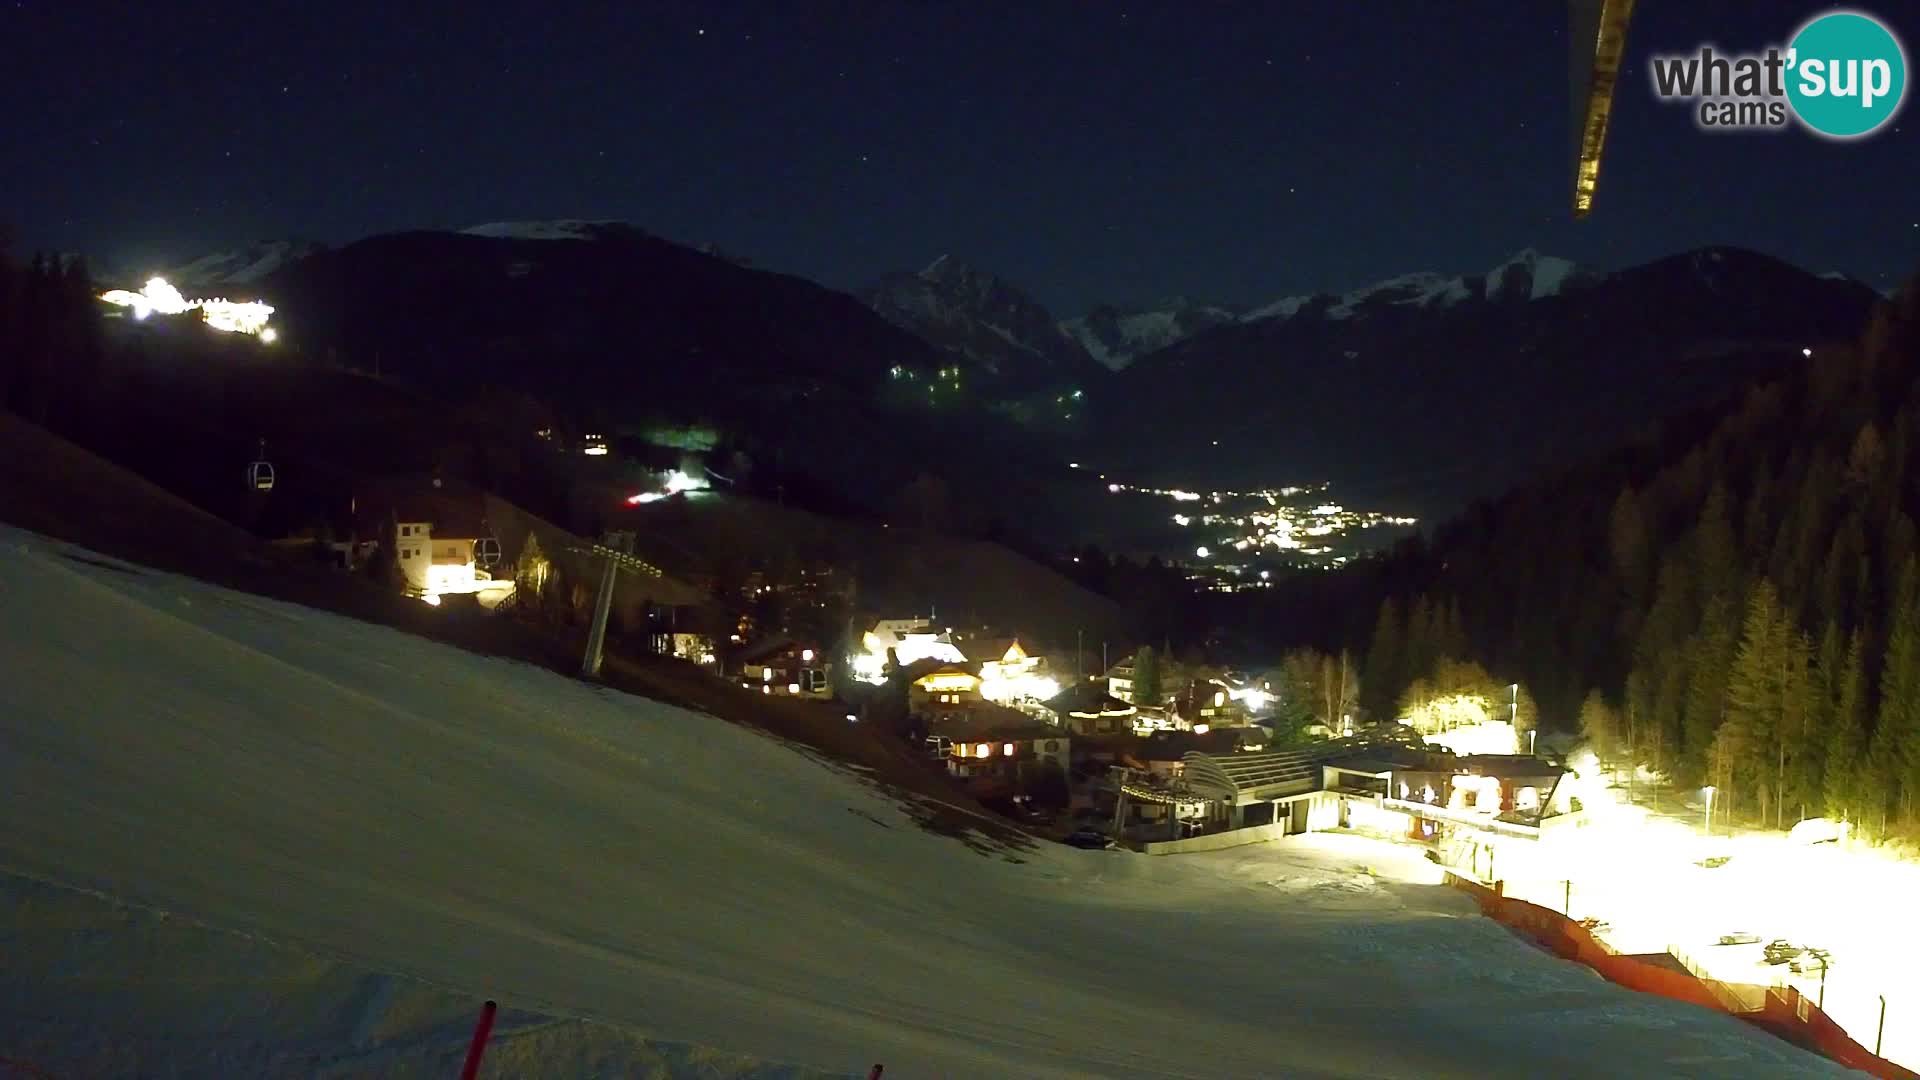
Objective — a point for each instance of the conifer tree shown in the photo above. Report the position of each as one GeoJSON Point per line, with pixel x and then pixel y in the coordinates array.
{"type": "Point", "coordinates": [1420, 651]}
{"type": "Point", "coordinates": [1847, 737]}
{"type": "Point", "coordinates": [1146, 677]}
{"type": "Point", "coordinates": [1386, 659]}
{"type": "Point", "coordinates": [1896, 735]}
{"type": "Point", "coordinates": [1709, 654]}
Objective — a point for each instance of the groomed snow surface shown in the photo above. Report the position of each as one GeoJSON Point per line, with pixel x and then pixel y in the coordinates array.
{"type": "Point", "coordinates": [412, 829]}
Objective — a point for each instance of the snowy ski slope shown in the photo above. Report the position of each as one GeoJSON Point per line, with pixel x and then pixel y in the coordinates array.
{"type": "Point", "coordinates": [497, 830]}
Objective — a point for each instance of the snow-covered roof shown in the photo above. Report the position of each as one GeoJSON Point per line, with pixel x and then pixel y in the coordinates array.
{"type": "Point", "coordinates": [1244, 778]}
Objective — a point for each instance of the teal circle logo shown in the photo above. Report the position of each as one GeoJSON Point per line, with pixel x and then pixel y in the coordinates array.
{"type": "Point", "coordinates": [1846, 76]}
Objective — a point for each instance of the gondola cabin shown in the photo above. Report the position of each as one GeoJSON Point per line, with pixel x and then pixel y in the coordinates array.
{"type": "Point", "coordinates": [486, 552]}
{"type": "Point", "coordinates": [260, 471]}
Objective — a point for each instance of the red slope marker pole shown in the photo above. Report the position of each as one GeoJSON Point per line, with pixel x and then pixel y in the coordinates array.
{"type": "Point", "coordinates": [480, 1032]}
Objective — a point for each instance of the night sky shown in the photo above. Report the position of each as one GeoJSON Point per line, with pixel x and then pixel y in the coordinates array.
{"type": "Point", "coordinates": [1086, 151]}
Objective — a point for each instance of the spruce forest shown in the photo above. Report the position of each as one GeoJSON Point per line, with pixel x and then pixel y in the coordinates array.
{"type": "Point", "coordinates": [1734, 600]}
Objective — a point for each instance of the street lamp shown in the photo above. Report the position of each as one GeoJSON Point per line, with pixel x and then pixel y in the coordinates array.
{"type": "Point", "coordinates": [1708, 792]}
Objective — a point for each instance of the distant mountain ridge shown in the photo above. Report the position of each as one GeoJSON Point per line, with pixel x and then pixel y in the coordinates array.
{"type": "Point", "coordinates": [1527, 275]}
{"type": "Point", "coordinates": [996, 324]}
{"type": "Point", "coordinates": [217, 271]}
{"type": "Point", "coordinates": [1117, 336]}
{"type": "Point", "coordinates": [1437, 388]}
{"type": "Point", "coordinates": [1380, 389]}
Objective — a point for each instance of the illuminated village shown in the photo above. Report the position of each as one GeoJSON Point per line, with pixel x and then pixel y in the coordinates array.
{"type": "Point", "coordinates": [1233, 532]}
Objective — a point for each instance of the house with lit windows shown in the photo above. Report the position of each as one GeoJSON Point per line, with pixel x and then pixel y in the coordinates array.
{"type": "Point", "coordinates": [442, 541]}
{"type": "Point", "coordinates": [998, 750]}
{"type": "Point", "coordinates": [1010, 673]}
{"type": "Point", "coordinates": [1088, 709]}
{"type": "Point", "coordinates": [935, 687]}
{"type": "Point", "coordinates": [787, 666]}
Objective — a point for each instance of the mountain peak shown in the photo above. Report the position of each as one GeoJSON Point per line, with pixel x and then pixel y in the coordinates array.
{"type": "Point", "coordinates": [977, 315]}
{"type": "Point", "coordinates": [1529, 275]}
{"type": "Point", "coordinates": [1117, 335]}
{"type": "Point", "coordinates": [948, 270]}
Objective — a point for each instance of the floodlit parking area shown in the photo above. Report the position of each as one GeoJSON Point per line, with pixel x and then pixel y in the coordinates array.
{"type": "Point", "coordinates": [1657, 883]}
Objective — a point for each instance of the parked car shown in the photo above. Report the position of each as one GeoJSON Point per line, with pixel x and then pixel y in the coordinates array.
{"type": "Point", "coordinates": [1811, 962]}
{"type": "Point", "coordinates": [1739, 937]}
{"type": "Point", "coordinates": [1092, 839]}
{"type": "Point", "coordinates": [1779, 951]}
{"type": "Point", "coordinates": [1817, 831]}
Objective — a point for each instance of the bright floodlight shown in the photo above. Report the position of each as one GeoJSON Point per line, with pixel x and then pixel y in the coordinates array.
{"type": "Point", "coordinates": [678, 482]}
{"type": "Point", "coordinates": [160, 296]}
{"type": "Point", "coordinates": [269, 335]}
{"type": "Point", "coordinates": [1806, 352]}
{"type": "Point", "coordinates": [1201, 551]}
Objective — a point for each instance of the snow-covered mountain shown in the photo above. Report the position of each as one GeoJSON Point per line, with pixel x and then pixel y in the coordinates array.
{"type": "Point", "coordinates": [1116, 336]}
{"type": "Point", "coordinates": [1528, 275]}
{"type": "Point", "coordinates": [248, 266]}
{"type": "Point", "coordinates": [1372, 388]}
{"type": "Point", "coordinates": [979, 316]}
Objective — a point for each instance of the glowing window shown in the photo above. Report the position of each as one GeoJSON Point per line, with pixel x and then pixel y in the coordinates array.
{"type": "Point", "coordinates": [1007, 749]}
